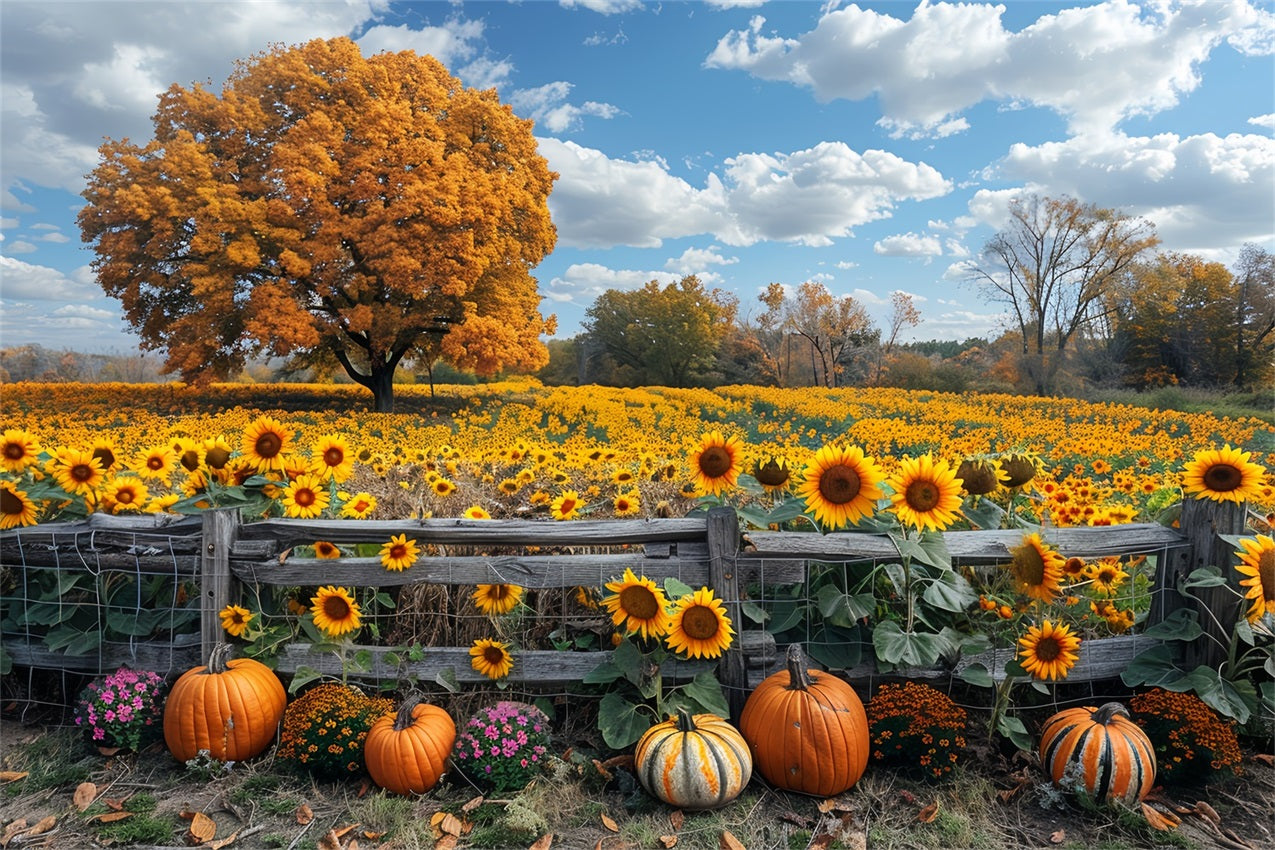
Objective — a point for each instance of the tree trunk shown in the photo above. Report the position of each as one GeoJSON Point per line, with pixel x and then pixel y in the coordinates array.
{"type": "Point", "coordinates": [381, 383]}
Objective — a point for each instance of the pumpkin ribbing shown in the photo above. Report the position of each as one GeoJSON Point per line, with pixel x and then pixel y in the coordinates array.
{"type": "Point", "coordinates": [693, 762]}
{"type": "Point", "coordinates": [1100, 751]}
{"type": "Point", "coordinates": [406, 751]}
{"type": "Point", "coordinates": [230, 707]}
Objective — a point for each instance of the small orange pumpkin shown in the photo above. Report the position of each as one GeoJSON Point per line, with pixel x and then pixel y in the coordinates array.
{"type": "Point", "coordinates": [807, 729]}
{"type": "Point", "coordinates": [230, 707]}
{"type": "Point", "coordinates": [694, 763]}
{"type": "Point", "coordinates": [1100, 751]}
{"type": "Point", "coordinates": [406, 752]}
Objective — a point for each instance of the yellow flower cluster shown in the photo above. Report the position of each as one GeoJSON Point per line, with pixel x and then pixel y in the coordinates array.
{"type": "Point", "coordinates": [324, 729]}
{"type": "Point", "coordinates": [916, 728]}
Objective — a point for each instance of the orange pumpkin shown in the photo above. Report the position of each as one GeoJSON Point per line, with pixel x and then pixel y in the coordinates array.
{"type": "Point", "coordinates": [807, 729]}
{"type": "Point", "coordinates": [231, 708]}
{"type": "Point", "coordinates": [406, 752]}
{"type": "Point", "coordinates": [694, 763]}
{"type": "Point", "coordinates": [1100, 751]}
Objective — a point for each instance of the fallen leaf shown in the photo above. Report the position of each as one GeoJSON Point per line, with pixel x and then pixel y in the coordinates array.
{"type": "Point", "coordinates": [342, 831]}
{"type": "Point", "coordinates": [364, 787]}
{"type": "Point", "coordinates": [202, 829]}
{"type": "Point", "coordinates": [353, 845]}
{"type": "Point", "coordinates": [370, 835]}
{"type": "Point", "coordinates": [304, 814]}
{"type": "Point", "coordinates": [447, 842]}
{"type": "Point", "coordinates": [44, 825]}
{"type": "Point", "coordinates": [929, 813]}
{"type": "Point", "coordinates": [448, 824]}
{"type": "Point", "coordinates": [84, 795]}
{"type": "Point", "coordinates": [12, 775]}
{"type": "Point", "coordinates": [544, 842]}
{"type": "Point", "coordinates": [472, 804]}
{"type": "Point", "coordinates": [729, 842]}
{"type": "Point", "coordinates": [1204, 809]}
{"type": "Point", "coordinates": [668, 841]}
{"type": "Point", "coordinates": [329, 842]}
{"type": "Point", "coordinates": [283, 556]}
{"type": "Point", "coordinates": [186, 814]}
{"type": "Point", "coordinates": [111, 817]}
{"type": "Point", "coordinates": [1157, 819]}
{"type": "Point", "coordinates": [609, 822]}
{"type": "Point", "coordinates": [1265, 758]}
{"type": "Point", "coordinates": [1058, 837]}
{"type": "Point", "coordinates": [16, 827]}
{"type": "Point", "coordinates": [676, 819]}
{"type": "Point", "coordinates": [223, 842]}
{"type": "Point", "coordinates": [598, 846]}
{"type": "Point", "coordinates": [114, 805]}
{"type": "Point", "coordinates": [797, 820]}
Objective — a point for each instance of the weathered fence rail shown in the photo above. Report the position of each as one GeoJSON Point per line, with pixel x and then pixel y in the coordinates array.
{"type": "Point", "coordinates": [204, 563]}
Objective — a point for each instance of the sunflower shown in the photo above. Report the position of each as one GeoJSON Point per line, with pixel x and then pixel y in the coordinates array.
{"type": "Point", "coordinates": [324, 550]}
{"type": "Point", "coordinates": [305, 498]}
{"type": "Point", "coordinates": [840, 485]}
{"type": "Point", "coordinates": [188, 454]}
{"type": "Point", "coordinates": [638, 605]}
{"type": "Point", "coordinates": [157, 462]}
{"type": "Point", "coordinates": [16, 507]}
{"type": "Point", "coordinates": [1037, 567]}
{"type": "Point", "coordinates": [235, 620]}
{"type": "Point", "coordinates": [18, 450]}
{"type": "Point", "coordinates": [627, 504]}
{"type": "Point", "coordinates": [493, 599]}
{"type": "Point", "coordinates": [1223, 475]}
{"type": "Point", "coordinates": [1048, 652]}
{"type": "Point", "coordinates": [926, 494]}
{"type": "Point", "coordinates": [716, 463]}
{"type": "Point", "coordinates": [589, 597]}
{"type": "Point", "coordinates": [566, 506]}
{"type": "Point", "coordinates": [1074, 568]}
{"type": "Point", "coordinates": [330, 458]}
{"type": "Point", "coordinates": [105, 450]}
{"type": "Point", "coordinates": [700, 627]}
{"type": "Point", "coordinates": [77, 471]}
{"type": "Point", "coordinates": [773, 475]}
{"type": "Point", "coordinates": [359, 506]}
{"type": "Point", "coordinates": [335, 610]}
{"type": "Point", "coordinates": [476, 512]}
{"type": "Point", "coordinates": [161, 504]}
{"type": "Point", "coordinates": [508, 486]}
{"type": "Point", "coordinates": [1019, 469]}
{"type": "Point", "coordinates": [1107, 576]}
{"type": "Point", "coordinates": [216, 452]}
{"type": "Point", "coordinates": [491, 658]}
{"type": "Point", "coordinates": [443, 487]}
{"type": "Point", "coordinates": [622, 476]}
{"type": "Point", "coordinates": [979, 476]}
{"type": "Point", "coordinates": [125, 495]}
{"type": "Point", "coordinates": [399, 553]}
{"type": "Point", "coordinates": [1257, 561]}
{"type": "Point", "coordinates": [266, 442]}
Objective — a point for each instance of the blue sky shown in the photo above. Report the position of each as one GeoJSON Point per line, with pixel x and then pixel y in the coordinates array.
{"type": "Point", "coordinates": [871, 146]}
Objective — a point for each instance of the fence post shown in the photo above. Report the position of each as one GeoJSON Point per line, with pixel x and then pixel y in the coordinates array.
{"type": "Point", "coordinates": [723, 548]}
{"type": "Point", "coordinates": [220, 527]}
{"type": "Point", "coordinates": [1219, 607]}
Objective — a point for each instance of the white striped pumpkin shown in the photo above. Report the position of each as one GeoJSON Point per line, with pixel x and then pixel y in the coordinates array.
{"type": "Point", "coordinates": [699, 762]}
{"type": "Point", "coordinates": [1100, 751]}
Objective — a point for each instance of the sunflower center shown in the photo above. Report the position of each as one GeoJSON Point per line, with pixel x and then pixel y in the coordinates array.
{"type": "Point", "coordinates": [1265, 570]}
{"type": "Point", "coordinates": [361, 505]}
{"type": "Point", "coordinates": [498, 592]}
{"type": "Point", "coordinates": [1222, 478]}
{"type": "Point", "coordinates": [190, 460]}
{"type": "Point", "coordinates": [398, 552]}
{"type": "Point", "coordinates": [839, 485]}
{"type": "Point", "coordinates": [922, 496]}
{"type": "Point", "coordinates": [639, 602]}
{"type": "Point", "coordinates": [568, 505]}
{"type": "Point", "coordinates": [154, 463]}
{"type": "Point", "coordinates": [10, 504]}
{"type": "Point", "coordinates": [106, 456]}
{"type": "Point", "coordinates": [335, 608]}
{"type": "Point", "coordinates": [715, 462]}
{"type": "Point", "coordinates": [125, 496]}
{"type": "Point", "coordinates": [14, 451]}
{"type": "Point", "coordinates": [217, 457]}
{"type": "Point", "coordinates": [334, 457]}
{"type": "Point", "coordinates": [1047, 649]}
{"type": "Point", "coordinates": [81, 472]}
{"type": "Point", "coordinates": [977, 478]}
{"type": "Point", "coordinates": [493, 655]}
{"type": "Point", "coordinates": [1029, 566]}
{"type": "Point", "coordinates": [699, 622]}
{"type": "Point", "coordinates": [771, 474]}
{"type": "Point", "coordinates": [268, 445]}
{"type": "Point", "coordinates": [1019, 470]}
{"type": "Point", "coordinates": [304, 497]}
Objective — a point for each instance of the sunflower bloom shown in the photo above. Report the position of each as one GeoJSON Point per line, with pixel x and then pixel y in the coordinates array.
{"type": "Point", "coordinates": [335, 611]}
{"type": "Point", "coordinates": [105, 450]}
{"type": "Point", "coordinates": [566, 506]}
{"type": "Point", "coordinates": [1048, 652]}
{"type": "Point", "coordinates": [627, 504]}
{"type": "Point", "coordinates": [305, 498]}
{"type": "Point", "coordinates": [266, 442]}
{"type": "Point", "coordinates": [18, 450]}
{"type": "Point", "coordinates": [1037, 568]}
{"type": "Point", "coordinates": [216, 454]}
{"type": "Point", "coordinates": [157, 462]}
{"type": "Point", "coordinates": [235, 620]}
{"type": "Point", "coordinates": [16, 507]}
{"type": "Point", "coordinates": [399, 553]}
{"type": "Point", "coordinates": [493, 599]}
{"type": "Point", "coordinates": [1107, 576]}
{"type": "Point", "coordinates": [325, 550]}
{"type": "Point", "coordinates": [926, 494]}
{"type": "Point", "coordinates": [716, 463]}
{"type": "Point", "coordinates": [979, 476]}
{"type": "Point", "coordinates": [77, 471]}
{"type": "Point", "coordinates": [700, 627]}
{"type": "Point", "coordinates": [1223, 475]}
{"type": "Point", "coordinates": [491, 658]}
{"type": "Point", "coordinates": [125, 495]}
{"type": "Point", "coordinates": [443, 487]}
{"type": "Point", "coordinates": [359, 506]}
{"type": "Point", "coordinates": [330, 458]}
{"type": "Point", "coordinates": [840, 485]}
{"type": "Point", "coordinates": [773, 475]}
{"type": "Point", "coordinates": [638, 605]}
{"type": "Point", "coordinates": [476, 512]}
{"type": "Point", "coordinates": [1257, 562]}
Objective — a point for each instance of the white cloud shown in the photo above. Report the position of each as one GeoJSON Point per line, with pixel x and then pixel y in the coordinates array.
{"type": "Point", "coordinates": [1267, 121]}
{"type": "Point", "coordinates": [582, 283]}
{"type": "Point", "coordinates": [697, 260]}
{"type": "Point", "coordinates": [58, 238]}
{"type": "Point", "coordinates": [41, 283]}
{"type": "Point", "coordinates": [603, 7]}
{"type": "Point", "coordinates": [1095, 65]}
{"type": "Point", "coordinates": [20, 247]}
{"type": "Point", "coordinates": [908, 245]}
{"type": "Point", "coordinates": [547, 106]}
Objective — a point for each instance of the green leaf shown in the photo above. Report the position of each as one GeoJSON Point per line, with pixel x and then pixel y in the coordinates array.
{"type": "Point", "coordinates": [603, 674]}
{"type": "Point", "coordinates": [676, 589]}
{"type": "Point", "coordinates": [704, 693]}
{"type": "Point", "coordinates": [447, 679]}
{"type": "Point", "coordinates": [898, 577]}
{"type": "Point", "coordinates": [912, 649]}
{"type": "Point", "coordinates": [1013, 729]}
{"type": "Point", "coordinates": [383, 599]}
{"type": "Point", "coordinates": [983, 513]}
{"type": "Point", "coordinates": [834, 652]}
{"type": "Point", "coordinates": [1234, 699]}
{"type": "Point", "coordinates": [1153, 667]}
{"type": "Point", "coordinates": [621, 722]}
{"type": "Point", "coordinates": [303, 677]}
{"type": "Point", "coordinates": [1204, 577]}
{"type": "Point", "coordinates": [785, 614]}
{"type": "Point", "coordinates": [785, 511]}
{"type": "Point", "coordinates": [754, 517]}
{"type": "Point", "coordinates": [753, 611]}
{"type": "Point", "coordinates": [934, 552]}
{"type": "Point", "coordinates": [843, 609]}
{"type": "Point", "coordinates": [1182, 624]}
{"type": "Point", "coordinates": [978, 676]}
{"type": "Point", "coordinates": [950, 592]}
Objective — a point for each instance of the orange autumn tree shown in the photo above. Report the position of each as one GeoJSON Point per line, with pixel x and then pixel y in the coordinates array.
{"type": "Point", "coordinates": [328, 208]}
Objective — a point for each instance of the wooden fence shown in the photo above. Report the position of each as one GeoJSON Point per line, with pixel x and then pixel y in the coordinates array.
{"type": "Point", "coordinates": [209, 559]}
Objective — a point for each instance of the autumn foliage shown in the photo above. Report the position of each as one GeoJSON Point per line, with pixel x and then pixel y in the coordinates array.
{"type": "Point", "coordinates": [331, 208]}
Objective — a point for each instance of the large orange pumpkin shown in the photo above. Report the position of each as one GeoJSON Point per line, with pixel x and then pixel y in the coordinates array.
{"type": "Point", "coordinates": [694, 763]}
{"type": "Point", "coordinates": [230, 707]}
{"type": "Point", "coordinates": [1100, 751]}
{"type": "Point", "coordinates": [807, 729]}
{"type": "Point", "coordinates": [406, 752]}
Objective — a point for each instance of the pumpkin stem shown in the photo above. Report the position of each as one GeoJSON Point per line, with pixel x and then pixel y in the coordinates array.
{"type": "Point", "coordinates": [798, 675]}
{"type": "Point", "coordinates": [1108, 713]}
{"type": "Point", "coordinates": [685, 721]}
{"type": "Point", "coordinates": [218, 657]}
{"type": "Point", "coordinates": [403, 719]}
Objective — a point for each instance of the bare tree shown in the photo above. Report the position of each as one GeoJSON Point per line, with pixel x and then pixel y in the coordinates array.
{"type": "Point", "coordinates": [1254, 310]}
{"type": "Point", "coordinates": [1053, 266]}
{"type": "Point", "coordinates": [902, 315]}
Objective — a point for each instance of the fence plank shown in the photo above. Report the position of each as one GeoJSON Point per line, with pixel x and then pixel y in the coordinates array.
{"type": "Point", "coordinates": [219, 529]}
{"type": "Point", "coordinates": [1219, 607]}
{"type": "Point", "coordinates": [723, 577]}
